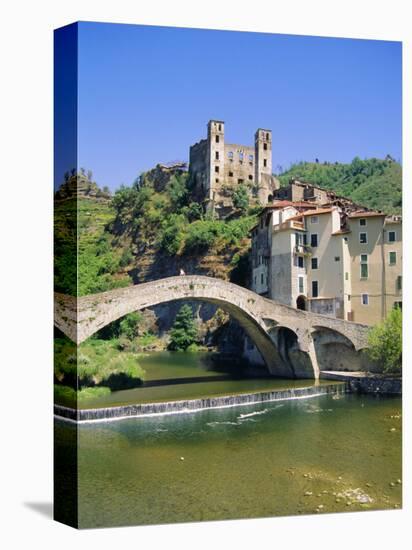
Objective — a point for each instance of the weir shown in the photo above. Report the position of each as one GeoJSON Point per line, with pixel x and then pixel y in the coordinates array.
{"type": "Point", "coordinates": [195, 405]}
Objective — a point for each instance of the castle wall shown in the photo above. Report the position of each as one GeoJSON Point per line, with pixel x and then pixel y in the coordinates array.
{"type": "Point", "coordinates": [239, 164]}
{"type": "Point", "coordinates": [217, 168]}
{"type": "Point", "coordinates": [198, 158]}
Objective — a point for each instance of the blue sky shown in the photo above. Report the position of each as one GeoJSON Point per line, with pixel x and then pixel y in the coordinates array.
{"type": "Point", "coordinates": [146, 93]}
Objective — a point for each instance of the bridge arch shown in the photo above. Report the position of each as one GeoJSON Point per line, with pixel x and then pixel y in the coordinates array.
{"type": "Point", "coordinates": [281, 334]}
{"type": "Point", "coordinates": [96, 311]}
{"type": "Point", "coordinates": [336, 352]}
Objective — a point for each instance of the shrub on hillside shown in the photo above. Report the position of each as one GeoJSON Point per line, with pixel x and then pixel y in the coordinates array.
{"type": "Point", "coordinates": [241, 198]}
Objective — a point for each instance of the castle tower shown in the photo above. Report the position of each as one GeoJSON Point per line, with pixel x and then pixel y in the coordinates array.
{"type": "Point", "coordinates": [263, 163]}
{"type": "Point", "coordinates": [216, 157]}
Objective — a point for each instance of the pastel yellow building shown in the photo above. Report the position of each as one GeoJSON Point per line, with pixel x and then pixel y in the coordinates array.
{"type": "Point", "coordinates": [375, 248]}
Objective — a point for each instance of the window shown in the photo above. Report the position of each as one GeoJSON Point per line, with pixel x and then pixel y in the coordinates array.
{"type": "Point", "coordinates": [217, 139]}
{"type": "Point", "coordinates": [314, 262]}
{"type": "Point", "coordinates": [346, 276]}
{"type": "Point", "coordinates": [315, 289]}
{"type": "Point", "coordinates": [337, 258]}
{"type": "Point", "coordinates": [299, 239]}
{"type": "Point", "coordinates": [348, 297]}
{"type": "Point", "coordinates": [241, 156]}
{"type": "Point", "coordinates": [267, 136]}
{"type": "Point", "coordinates": [314, 219]}
{"type": "Point", "coordinates": [217, 169]}
{"type": "Point", "coordinates": [391, 236]}
{"type": "Point", "coordinates": [301, 286]}
{"type": "Point", "coordinates": [399, 282]}
{"type": "Point", "coordinates": [250, 177]}
{"type": "Point", "coordinates": [364, 266]}
{"type": "Point", "coordinates": [265, 163]}
{"type": "Point", "coordinates": [217, 180]}
{"type": "Point", "coordinates": [314, 240]}
{"type": "Point", "coordinates": [392, 258]}
{"type": "Point", "coordinates": [250, 159]}
{"type": "Point", "coordinates": [397, 304]}
{"type": "Point", "coordinates": [261, 278]}
{"type": "Point", "coordinates": [230, 174]}
{"type": "Point", "coordinates": [365, 299]}
{"type": "Point", "coordinates": [363, 238]}
{"type": "Point", "coordinates": [240, 181]}
{"type": "Point", "coordinates": [362, 222]}
{"type": "Point", "coordinates": [254, 280]}
{"type": "Point", "coordinates": [300, 261]}
{"type": "Point", "coordinates": [220, 127]}
{"type": "Point", "coordinates": [217, 155]}
{"type": "Point", "coordinates": [265, 146]}
{"type": "Point", "coordinates": [230, 155]}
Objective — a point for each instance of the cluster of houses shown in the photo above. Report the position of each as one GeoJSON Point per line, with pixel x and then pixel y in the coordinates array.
{"type": "Point", "coordinates": [315, 251]}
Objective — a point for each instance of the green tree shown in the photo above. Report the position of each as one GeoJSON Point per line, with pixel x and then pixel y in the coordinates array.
{"type": "Point", "coordinates": [178, 191]}
{"type": "Point", "coordinates": [241, 198]}
{"type": "Point", "coordinates": [129, 325]}
{"type": "Point", "coordinates": [194, 211]}
{"type": "Point", "coordinates": [385, 343]}
{"type": "Point", "coordinates": [184, 330]}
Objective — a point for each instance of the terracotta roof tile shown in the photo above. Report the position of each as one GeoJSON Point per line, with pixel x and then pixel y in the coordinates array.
{"type": "Point", "coordinates": [365, 214]}
{"type": "Point", "coordinates": [319, 211]}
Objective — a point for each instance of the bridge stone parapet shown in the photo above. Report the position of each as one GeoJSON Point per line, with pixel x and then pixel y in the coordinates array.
{"type": "Point", "coordinates": [288, 339]}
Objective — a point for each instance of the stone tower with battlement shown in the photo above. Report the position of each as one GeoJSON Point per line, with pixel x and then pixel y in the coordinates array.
{"type": "Point", "coordinates": [218, 168]}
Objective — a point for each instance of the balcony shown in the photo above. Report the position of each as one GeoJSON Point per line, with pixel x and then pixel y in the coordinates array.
{"type": "Point", "coordinates": [304, 249]}
{"type": "Point", "coordinates": [289, 224]}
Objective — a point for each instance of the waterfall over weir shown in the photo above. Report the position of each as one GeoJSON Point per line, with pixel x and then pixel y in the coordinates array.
{"type": "Point", "coordinates": [193, 405]}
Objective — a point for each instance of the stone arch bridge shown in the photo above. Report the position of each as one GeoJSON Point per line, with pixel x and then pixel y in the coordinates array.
{"type": "Point", "coordinates": [292, 342]}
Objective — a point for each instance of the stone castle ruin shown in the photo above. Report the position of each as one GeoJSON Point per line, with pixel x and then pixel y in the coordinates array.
{"type": "Point", "coordinates": [218, 168]}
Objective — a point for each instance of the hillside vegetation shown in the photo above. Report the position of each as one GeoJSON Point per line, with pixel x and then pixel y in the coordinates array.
{"type": "Point", "coordinates": [374, 183]}
{"type": "Point", "coordinates": [99, 262]}
{"type": "Point", "coordinates": [166, 231]}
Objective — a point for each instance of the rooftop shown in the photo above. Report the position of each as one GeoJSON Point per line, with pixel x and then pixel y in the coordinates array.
{"type": "Point", "coordinates": [274, 205]}
{"type": "Point", "coordinates": [363, 214]}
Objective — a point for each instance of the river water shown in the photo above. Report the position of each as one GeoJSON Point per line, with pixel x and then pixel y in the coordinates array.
{"type": "Point", "coordinates": [171, 376]}
{"type": "Point", "coordinates": [316, 455]}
